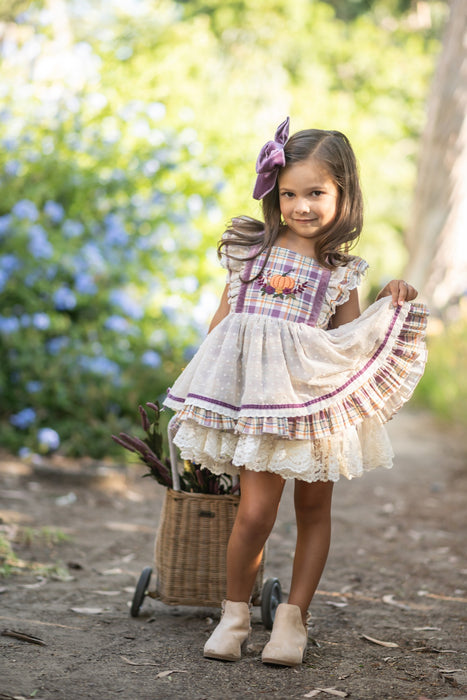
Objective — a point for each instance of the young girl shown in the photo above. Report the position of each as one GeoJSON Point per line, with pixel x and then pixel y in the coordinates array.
{"type": "Point", "coordinates": [292, 382]}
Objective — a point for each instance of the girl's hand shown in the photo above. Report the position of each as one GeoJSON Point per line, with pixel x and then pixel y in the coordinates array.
{"type": "Point", "coordinates": [399, 290]}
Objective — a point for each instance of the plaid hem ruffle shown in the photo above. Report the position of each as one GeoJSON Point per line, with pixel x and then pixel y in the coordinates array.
{"type": "Point", "coordinates": [377, 390]}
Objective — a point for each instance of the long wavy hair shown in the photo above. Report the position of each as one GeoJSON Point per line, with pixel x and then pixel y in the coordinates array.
{"type": "Point", "coordinates": [333, 151]}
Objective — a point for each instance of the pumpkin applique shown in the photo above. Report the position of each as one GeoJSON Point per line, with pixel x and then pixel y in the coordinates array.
{"type": "Point", "coordinates": [280, 285]}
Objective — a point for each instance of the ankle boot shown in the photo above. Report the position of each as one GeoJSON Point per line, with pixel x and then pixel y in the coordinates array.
{"type": "Point", "coordinates": [288, 637]}
{"type": "Point", "coordinates": [232, 631]}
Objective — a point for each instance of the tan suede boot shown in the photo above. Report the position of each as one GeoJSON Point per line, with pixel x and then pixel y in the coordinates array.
{"type": "Point", "coordinates": [234, 628]}
{"type": "Point", "coordinates": [289, 637]}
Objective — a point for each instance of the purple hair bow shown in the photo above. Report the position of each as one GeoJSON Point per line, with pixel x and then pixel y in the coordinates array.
{"type": "Point", "coordinates": [271, 158]}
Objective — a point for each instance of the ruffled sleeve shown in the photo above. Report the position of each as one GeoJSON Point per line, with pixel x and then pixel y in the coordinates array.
{"type": "Point", "coordinates": [343, 279]}
{"type": "Point", "coordinates": [234, 265]}
{"type": "Point", "coordinates": [237, 251]}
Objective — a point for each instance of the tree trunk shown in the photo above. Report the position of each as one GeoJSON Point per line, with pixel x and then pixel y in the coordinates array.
{"type": "Point", "coordinates": [437, 235]}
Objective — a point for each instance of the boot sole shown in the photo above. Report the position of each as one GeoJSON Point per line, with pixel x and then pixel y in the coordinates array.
{"type": "Point", "coordinates": [279, 662]}
{"type": "Point", "coordinates": [221, 657]}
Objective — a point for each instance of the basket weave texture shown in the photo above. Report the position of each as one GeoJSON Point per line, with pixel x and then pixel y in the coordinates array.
{"type": "Point", "coordinates": [190, 548]}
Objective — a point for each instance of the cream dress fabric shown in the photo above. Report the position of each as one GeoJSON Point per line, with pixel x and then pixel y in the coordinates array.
{"type": "Point", "coordinates": [272, 389]}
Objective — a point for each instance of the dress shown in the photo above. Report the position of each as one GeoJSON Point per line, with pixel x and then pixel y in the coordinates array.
{"type": "Point", "coordinates": [272, 389]}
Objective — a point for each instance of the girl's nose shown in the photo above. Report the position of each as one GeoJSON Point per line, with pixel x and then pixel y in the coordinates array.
{"type": "Point", "coordinates": [302, 205]}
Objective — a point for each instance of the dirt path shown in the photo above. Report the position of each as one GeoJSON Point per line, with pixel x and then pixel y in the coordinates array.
{"type": "Point", "coordinates": [397, 573]}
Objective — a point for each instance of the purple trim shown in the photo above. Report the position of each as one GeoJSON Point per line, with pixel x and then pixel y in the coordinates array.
{"type": "Point", "coordinates": [216, 402]}
{"type": "Point", "coordinates": [175, 398]}
{"type": "Point", "coordinates": [325, 276]}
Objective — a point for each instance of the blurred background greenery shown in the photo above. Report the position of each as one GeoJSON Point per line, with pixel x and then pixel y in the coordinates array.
{"type": "Point", "coordinates": [129, 133]}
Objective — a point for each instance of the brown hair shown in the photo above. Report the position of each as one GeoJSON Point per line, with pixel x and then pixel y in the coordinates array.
{"type": "Point", "coordinates": [333, 150]}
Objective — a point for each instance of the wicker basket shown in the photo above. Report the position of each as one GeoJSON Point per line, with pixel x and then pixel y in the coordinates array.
{"type": "Point", "coordinates": [190, 548]}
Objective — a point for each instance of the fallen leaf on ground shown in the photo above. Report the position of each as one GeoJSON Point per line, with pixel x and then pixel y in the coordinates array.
{"type": "Point", "coordinates": [336, 604]}
{"type": "Point", "coordinates": [138, 663]}
{"type": "Point", "coordinates": [427, 629]}
{"type": "Point", "coordinates": [88, 611]}
{"type": "Point", "coordinates": [24, 637]}
{"type": "Point", "coordinates": [112, 572]}
{"type": "Point", "coordinates": [107, 592]}
{"type": "Point", "coordinates": [41, 582]}
{"type": "Point", "coordinates": [389, 600]}
{"type": "Point", "coordinates": [378, 641]}
{"type": "Point", "coordinates": [164, 674]}
{"type": "Point", "coordinates": [329, 691]}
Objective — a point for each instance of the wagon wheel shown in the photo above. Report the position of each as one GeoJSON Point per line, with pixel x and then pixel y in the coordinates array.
{"type": "Point", "coordinates": [140, 591]}
{"type": "Point", "coordinates": [271, 596]}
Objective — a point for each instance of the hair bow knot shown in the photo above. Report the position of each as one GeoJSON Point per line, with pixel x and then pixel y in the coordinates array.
{"type": "Point", "coordinates": [270, 159]}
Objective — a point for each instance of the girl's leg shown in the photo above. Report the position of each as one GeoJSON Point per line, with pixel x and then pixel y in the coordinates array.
{"type": "Point", "coordinates": [259, 500]}
{"type": "Point", "coordinates": [260, 496]}
{"type": "Point", "coordinates": [313, 515]}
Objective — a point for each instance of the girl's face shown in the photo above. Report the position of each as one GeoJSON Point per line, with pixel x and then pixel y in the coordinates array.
{"type": "Point", "coordinates": [308, 198]}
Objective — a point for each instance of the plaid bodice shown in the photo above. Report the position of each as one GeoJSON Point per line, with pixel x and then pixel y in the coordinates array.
{"type": "Point", "coordinates": [292, 287]}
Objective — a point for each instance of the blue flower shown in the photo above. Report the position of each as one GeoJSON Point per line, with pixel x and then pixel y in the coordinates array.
{"type": "Point", "coordinates": [9, 263]}
{"type": "Point", "coordinates": [64, 299]}
{"type": "Point", "coordinates": [33, 386]}
{"type": "Point", "coordinates": [84, 284]}
{"type": "Point", "coordinates": [8, 324]}
{"type": "Point", "coordinates": [56, 345]}
{"type": "Point", "coordinates": [93, 257]}
{"type": "Point", "coordinates": [54, 211]}
{"type": "Point", "coordinates": [48, 439]}
{"type": "Point", "coordinates": [5, 222]}
{"type": "Point", "coordinates": [72, 229]}
{"type": "Point", "coordinates": [129, 306]}
{"type": "Point", "coordinates": [115, 233]}
{"type": "Point", "coordinates": [117, 324]}
{"type": "Point", "coordinates": [151, 359]}
{"type": "Point", "coordinates": [39, 245]}
{"type": "Point", "coordinates": [24, 452]}
{"type": "Point", "coordinates": [23, 419]}
{"type": "Point", "coordinates": [12, 167]}
{"type": "Point", "coordinates": [41, 321]}
{"type": "Point", "coordinates": [100, 365]}
{"type": "Point", "coordinates": [25, 209]}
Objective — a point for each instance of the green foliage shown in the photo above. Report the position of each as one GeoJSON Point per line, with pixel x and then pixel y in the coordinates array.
{"type": "Point", "coordinates": [443, 387]}
{"type": "Point", "coordinates": [129, 133]}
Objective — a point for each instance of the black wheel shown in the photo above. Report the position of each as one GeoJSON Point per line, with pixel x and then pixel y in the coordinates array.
{"type": "Point", "coordinates": [140, 591]}
{"type": "Point", "coordinates": [271, 596]}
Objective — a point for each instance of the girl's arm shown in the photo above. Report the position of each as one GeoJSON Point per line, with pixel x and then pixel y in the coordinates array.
{"type": "Point", "coordinates": [223, 309]}
{"type": "Point", "coordinates": [399, 290]}
{"type": "Point", "coordinates": [346, 312]}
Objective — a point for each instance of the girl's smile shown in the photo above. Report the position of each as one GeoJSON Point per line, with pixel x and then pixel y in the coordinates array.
{"type": "Point", "coordinates": [308, 198]}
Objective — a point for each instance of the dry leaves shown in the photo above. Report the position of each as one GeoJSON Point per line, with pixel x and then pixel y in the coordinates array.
{"type": "Point", "coordinates": [329, 691]}
{"type": "Point", "coordinates": [164, 674]}
{"type": "Point", "coordinates": [389, 600]}
{"type": "Point", "coordinates": [161, 674]}
{"type": "Point", "coordinates": [391, 645]}
{"type": "Point", "coordinates": [24, 637]}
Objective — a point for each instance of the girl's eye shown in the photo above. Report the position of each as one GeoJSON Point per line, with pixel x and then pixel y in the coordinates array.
{"type": "Point", "coordinates": [288, 195]}
{"type": "Point", "coordinates": [316, 193]}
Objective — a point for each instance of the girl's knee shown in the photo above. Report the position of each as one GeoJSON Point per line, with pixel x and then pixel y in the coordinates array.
{"type": "Point", "coordinates": [313, 501]}
{"type": "Point", "coordinates": [255, 523]}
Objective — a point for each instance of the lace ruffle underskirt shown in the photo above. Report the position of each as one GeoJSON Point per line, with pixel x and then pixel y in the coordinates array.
{"type": "Point", "coordinates": [347, 454]}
